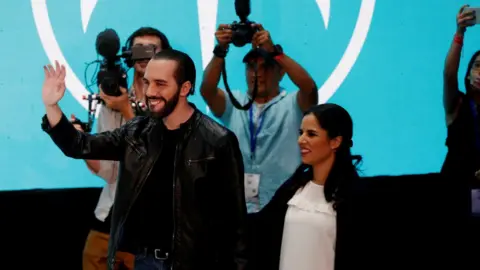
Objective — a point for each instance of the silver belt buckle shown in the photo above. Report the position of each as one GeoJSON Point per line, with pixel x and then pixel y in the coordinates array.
{"type": "Point", "coordinates": [159, 255]}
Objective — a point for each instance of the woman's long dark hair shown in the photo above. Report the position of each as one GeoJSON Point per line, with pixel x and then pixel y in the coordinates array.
{"type": "Point", "coordinates": [336, 121]}
{"type": "Point", "coordinates": [466, 80]}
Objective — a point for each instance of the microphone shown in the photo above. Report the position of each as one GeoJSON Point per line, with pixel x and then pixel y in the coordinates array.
{"type": "Point", "coordinates": [107, 44]}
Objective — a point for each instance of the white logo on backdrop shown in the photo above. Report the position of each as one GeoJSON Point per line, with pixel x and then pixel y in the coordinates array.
{"type": "Point", "coordinates": [207, 14]}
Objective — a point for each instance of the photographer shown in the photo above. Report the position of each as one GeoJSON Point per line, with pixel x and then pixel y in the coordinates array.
{"type": "Point", "coordinates": [142, 37]}
{"type": "Point", "coordinates": [116, 112]}
{"type": "Point", "coordinates": [269, 129]}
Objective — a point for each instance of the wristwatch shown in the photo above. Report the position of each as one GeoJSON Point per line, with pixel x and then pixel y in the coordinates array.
{"type": "Point", "coordinates": [219, 51]}
{"type": "Point", "coordinates": [277, 51]}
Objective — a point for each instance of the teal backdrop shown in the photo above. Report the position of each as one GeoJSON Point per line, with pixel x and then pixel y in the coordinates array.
{"type": "Point", "coordinates": [382, 60]}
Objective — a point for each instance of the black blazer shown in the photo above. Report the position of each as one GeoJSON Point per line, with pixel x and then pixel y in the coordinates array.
{"type": "Point", "coordinates": [266, 228]}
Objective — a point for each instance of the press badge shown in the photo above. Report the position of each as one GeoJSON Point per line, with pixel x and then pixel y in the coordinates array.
{"type": "Point", "coordinates": [252, 182]}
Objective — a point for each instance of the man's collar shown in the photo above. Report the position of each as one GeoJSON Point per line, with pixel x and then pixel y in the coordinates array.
{"type": "Point", "coordinates": [281, 94]}
{"type": "Point", "coordinates": [187, 125]}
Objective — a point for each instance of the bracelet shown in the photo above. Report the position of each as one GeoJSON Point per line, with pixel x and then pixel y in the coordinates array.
{"type": "Point", "coordinates": [458, 39]}
{"type": "Point", "coordinates": [278, 57]}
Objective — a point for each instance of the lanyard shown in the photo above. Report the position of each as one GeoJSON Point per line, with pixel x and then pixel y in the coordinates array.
{"type": "Point", "coordinates": [254, 132]}
{"type": "Point", "coordinates": [476, 123]}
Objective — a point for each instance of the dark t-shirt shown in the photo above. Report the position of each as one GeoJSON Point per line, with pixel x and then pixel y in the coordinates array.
{"type": "Point", "coordinates": [463, 156]}
{"type": "Point", "coordinates": [150, 222]}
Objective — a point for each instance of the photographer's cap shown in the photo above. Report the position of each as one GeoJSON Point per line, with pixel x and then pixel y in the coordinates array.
{"type": "Point", "coordinates": [259, 53]}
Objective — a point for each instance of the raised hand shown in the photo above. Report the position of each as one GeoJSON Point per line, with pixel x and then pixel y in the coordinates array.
{"type": "Point", "coordinates": [262, 38]}
{"type": "Point", "coordinates": [465, 19]}
{"type": "Point", "coordinates": [54, 84]}
{"type": "Point", "coordinates": [224, 35]}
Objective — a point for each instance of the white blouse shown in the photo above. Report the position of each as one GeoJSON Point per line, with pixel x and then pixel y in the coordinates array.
{"type": "Point", "coordinates": [309, 231]}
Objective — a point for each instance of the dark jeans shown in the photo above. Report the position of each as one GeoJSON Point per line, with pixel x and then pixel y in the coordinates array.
{"type": "Point", "coordinates": [149, 262]}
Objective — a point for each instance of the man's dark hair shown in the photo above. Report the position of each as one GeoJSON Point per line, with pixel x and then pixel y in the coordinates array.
{"type": "Point", "coordinates": [185, 66]}
{"type": "Point", "coordinates": [149, 31]}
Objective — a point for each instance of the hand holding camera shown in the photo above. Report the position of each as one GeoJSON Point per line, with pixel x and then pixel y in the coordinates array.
{"type": "Point", "coordinates": [117, 103]}
{"type": "Point", "coordinates": [466, 17]}
{"type": "Point", "coordinates": [262, 39]}
{"type": "Point", "coordinates": [241, 34]}
{"type": "Point", "coordinates": [224, 36]}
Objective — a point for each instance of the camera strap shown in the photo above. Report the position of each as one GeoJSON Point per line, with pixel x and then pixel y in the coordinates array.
{"type": "Point", "coordinates": [234, 101]}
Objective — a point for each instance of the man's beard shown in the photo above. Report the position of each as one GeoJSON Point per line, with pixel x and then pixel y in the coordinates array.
{"type": "Point", "coordinates": [168, 108]}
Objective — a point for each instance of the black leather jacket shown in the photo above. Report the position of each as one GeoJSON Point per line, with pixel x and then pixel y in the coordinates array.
{"type": "Point", "coordinates": [209, 201]}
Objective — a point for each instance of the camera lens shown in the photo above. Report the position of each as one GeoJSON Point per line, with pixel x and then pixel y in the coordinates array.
{"type": "Point", "coordinates": [242, 35]}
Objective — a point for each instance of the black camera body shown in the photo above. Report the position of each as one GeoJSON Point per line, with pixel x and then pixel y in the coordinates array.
{"type": "Point", "coordinates": [112, 76]}
{"type": "Point", "coordinates": [242, 33]}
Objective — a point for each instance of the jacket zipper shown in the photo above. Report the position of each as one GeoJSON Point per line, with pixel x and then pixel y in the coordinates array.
{"type": "Point", "coordinates": [190, 161]}
{"type": "Point", "coordinates": [173, 203]}
{"type": "Point", "coordinates": [133, 200]}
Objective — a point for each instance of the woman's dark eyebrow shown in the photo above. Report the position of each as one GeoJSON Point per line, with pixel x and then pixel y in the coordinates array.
{"type": "Point", "coordinates": [308, 130]}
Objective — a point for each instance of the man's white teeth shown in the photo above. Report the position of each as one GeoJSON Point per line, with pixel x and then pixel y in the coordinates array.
{"type": "Point", "coordinates": [155, 101]}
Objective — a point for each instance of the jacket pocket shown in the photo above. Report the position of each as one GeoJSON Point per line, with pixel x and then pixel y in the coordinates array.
{"type": "Point", "coordinates": [200, 160]}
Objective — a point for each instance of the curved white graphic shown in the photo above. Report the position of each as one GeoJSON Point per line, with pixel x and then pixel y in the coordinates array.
{"type": "Point", "coordinates": [207, 14]}
{"type": "Point", "coordinates": [53, 51]}
{"type": "Point", "coordinates": [351, 53]}
{"type": "Point", "coordinates": [86, 10]}
{"type": "Point", "coordinates": [324, 6]}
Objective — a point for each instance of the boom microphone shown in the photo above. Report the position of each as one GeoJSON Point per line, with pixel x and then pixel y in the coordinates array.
{"type": "Point", "coordinates": [108, 44]}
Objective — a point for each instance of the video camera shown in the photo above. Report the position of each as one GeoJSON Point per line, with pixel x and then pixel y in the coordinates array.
{"type": "Point", "coordinates": [112, 73]}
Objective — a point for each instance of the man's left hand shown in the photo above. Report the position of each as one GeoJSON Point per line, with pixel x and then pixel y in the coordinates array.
{"type": "Point", "coordinates": [117, 103]}
{"type": "Point", "coordinates": [262, 39]}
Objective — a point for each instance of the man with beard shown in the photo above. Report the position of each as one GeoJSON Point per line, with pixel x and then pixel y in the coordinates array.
{"type": "Point", "coordinates": [269, 129]}
{"type": "Point", "coordinates": [174, 165]}
{"type": "Point", "coordinates": [115, 112]}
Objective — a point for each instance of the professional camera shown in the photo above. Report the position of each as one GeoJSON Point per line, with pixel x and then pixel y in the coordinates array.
{"type": "Point", "coordinates": [112, 73]}
{"type": "Point", "coordinates": [242, 32]}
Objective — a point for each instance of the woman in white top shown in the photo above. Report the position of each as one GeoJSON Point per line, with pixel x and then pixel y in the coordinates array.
{"type": "Point", "coordinates": [303, 225]}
